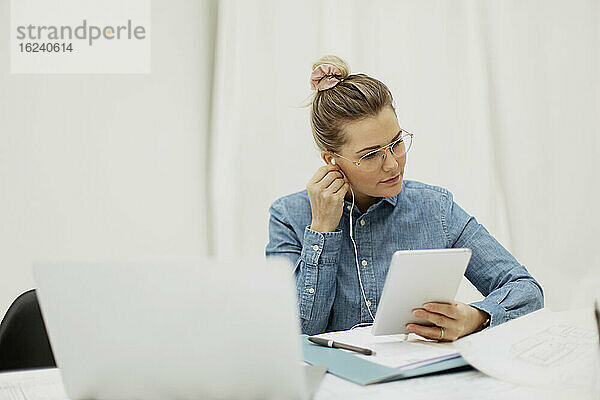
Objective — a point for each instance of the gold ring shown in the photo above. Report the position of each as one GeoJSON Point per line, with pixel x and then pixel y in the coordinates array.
{"type": "Point", "coordinates": [441, 333]}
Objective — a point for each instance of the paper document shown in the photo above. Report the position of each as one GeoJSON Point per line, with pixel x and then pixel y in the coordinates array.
{"type": "Point", "coordinates": [38, 384]}
{"type": "Point", "coordinates": [469, 385]}
{"type": "Point", "coordinates": [543, 349]}
{"type": "Point", "coordinates": [394, 351]}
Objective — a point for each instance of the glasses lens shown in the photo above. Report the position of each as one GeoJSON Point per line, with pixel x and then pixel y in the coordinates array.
{"type": "Point", "coordinates": [402, 146]}
{"type": "Point", "coordinates": [372, 161]}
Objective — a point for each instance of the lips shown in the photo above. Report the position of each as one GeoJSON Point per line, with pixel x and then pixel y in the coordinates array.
{"type": "Point", "coordinates": [392, 180]}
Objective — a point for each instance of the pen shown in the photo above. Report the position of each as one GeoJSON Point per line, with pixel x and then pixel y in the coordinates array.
{"type": "Point", "coordinates": [597, 313]}
{"type": "Point", "coordinates": [338, 345]}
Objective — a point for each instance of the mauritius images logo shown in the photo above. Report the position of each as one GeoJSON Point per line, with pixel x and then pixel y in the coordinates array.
{"type": "Point", "coordinates": [80, 36]}
{"type": "Point", "coordinates": [87, 32]}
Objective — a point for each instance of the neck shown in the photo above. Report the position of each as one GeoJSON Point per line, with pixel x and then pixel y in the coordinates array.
{"type": "Point", "coordinates": [362, 201]}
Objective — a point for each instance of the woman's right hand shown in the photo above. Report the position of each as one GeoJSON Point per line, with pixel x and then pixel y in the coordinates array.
{"type": "Point", "coordinates": [326, 191]}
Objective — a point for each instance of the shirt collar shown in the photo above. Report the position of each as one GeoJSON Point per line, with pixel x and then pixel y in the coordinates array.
{"type": "Point", "coordinates": [392, 200]}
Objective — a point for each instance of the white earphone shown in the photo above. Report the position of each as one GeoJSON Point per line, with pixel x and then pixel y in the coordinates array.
{"type": "Point", "coordinates": [356, 253]}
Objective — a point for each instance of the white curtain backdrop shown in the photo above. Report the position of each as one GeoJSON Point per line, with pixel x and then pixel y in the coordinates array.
{"type": "Point", "coordinates": [107, 166]}
{"type": "Point", "coordinates": [503, 98]}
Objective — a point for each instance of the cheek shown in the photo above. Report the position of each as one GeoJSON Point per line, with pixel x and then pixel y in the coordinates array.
{"type": "Point", "coordinates": [402, 161]}
{"type": "Point", "coordinates": [361, 179]}
{"type": "Point", "coordinates": [366, 183]}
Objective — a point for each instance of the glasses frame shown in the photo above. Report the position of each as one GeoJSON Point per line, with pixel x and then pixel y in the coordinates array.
{"type": "Point", "coordinates": [403, 135]}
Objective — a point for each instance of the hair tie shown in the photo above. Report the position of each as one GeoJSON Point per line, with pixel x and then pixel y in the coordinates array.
{"type": "Point", "coordinates": [325, 76]}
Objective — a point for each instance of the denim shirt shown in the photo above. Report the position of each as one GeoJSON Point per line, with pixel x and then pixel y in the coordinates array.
{"type": "Point", "coordinates": [419, 217]}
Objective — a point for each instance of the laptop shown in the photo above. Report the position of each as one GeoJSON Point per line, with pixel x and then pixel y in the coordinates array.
{"type": "Point", "coordinates": [174, 329]}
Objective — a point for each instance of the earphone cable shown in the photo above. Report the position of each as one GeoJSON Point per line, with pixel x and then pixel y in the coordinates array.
{"type": "Point", "coordinates": [356, 259]}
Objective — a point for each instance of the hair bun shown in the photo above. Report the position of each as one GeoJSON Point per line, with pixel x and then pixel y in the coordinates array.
{"type": "Point", "coordinates": [327, 72]}
{"type": "Point", "coordinates": [336, 62]}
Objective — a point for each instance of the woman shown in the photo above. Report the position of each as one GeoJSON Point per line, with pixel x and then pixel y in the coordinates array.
{"type": "Point", "coordinates": [364, 149]}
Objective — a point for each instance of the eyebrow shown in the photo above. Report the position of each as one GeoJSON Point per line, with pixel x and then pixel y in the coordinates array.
{"type": "Point", "coordinates": [378, 146]}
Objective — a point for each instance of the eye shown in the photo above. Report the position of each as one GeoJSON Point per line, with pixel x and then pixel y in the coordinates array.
{"type": "Point", "coordinates": [369, 156]}
{"type": "Point", "coordinates": [398, 144]}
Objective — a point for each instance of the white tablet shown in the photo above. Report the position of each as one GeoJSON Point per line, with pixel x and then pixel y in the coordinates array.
{"type": "Point", "coordinates": [416, 277]}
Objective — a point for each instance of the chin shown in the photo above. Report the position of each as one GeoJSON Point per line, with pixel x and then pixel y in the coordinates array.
{"type": "Point", "coordinates": [391, 191]}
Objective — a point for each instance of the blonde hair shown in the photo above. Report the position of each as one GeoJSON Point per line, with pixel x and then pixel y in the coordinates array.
{"type": "Point", "coordinates": [354, 98]}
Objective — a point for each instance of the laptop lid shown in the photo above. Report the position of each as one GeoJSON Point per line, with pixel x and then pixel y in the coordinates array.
{"type": "Point", "coordinates": [173, 329]}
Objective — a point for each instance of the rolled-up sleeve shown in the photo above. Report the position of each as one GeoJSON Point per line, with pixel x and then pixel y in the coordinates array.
{"type": "Point", "coordinates": [509, 290]}
{"type": "Point", "coordinates": [314, 259]}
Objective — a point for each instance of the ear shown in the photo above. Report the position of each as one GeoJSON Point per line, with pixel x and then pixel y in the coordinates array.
{"type": "Point", "coordinates": [328, 158]}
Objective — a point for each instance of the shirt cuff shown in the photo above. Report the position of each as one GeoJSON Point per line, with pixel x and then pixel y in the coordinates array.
{"type": "Point", "coordinates": [321, 245]}
{"type": "Point", "coordinates": [497, 313]}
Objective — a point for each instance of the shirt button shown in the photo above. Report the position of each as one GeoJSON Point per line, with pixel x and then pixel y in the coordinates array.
{"type": "Point", "coordinates": [315, 247]}
{"type": "Point", "coordinates": [311, 290]}
{"type": "Point", "coordinates": [364, 263]}
{"type": "Point", "coordinates": [362, 222]}
{"type": "Point", "coordinates": [348, 207]}
{"type": "Point", "coordinates": [368, 303]}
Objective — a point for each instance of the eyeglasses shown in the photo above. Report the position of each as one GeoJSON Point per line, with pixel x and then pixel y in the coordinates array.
{"type": "Point", "coordinates": [373, 160]}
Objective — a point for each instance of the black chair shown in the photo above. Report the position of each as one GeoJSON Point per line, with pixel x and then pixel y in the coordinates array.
{"type": "Point", "coordinates": [24, 341]}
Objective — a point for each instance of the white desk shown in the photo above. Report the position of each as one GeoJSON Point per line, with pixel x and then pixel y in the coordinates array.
{"type": "Point", "coordinates": [46, 384]}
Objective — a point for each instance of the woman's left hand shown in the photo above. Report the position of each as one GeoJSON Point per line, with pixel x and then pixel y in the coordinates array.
{"type": "Point", "coordinates": [453, 321]}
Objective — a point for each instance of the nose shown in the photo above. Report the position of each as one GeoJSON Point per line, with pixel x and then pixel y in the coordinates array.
{"type": "Point", "coordinates": [389, 162]}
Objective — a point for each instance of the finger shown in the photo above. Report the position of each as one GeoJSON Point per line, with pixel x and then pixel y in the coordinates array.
{"type": "Point", "coordinates": [438, 319]}
{"type": "Point", "coordinates": [328, 179]}
{"type": "Point", "coordinates": [324, 170]}
{"type": "Point", "coordinates": [429, 332]}
{"type": "Point", "coordinates": [335, 185]}
{"type": "Point", "coordinates": [342, 191]}
{"type": "Point", "coordinates": [449, 310]}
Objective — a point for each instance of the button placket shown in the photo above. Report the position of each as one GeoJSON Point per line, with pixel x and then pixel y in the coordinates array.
{"type": "Point", "coordinates": [360, 247]}
{"type": "Point", "coordinates": [365, 254]}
